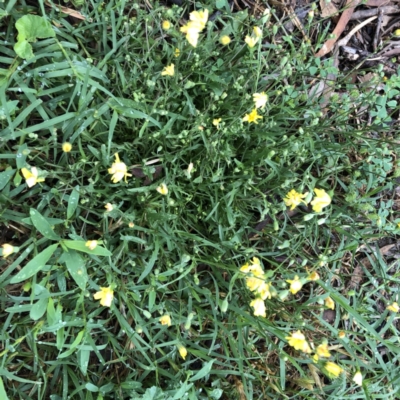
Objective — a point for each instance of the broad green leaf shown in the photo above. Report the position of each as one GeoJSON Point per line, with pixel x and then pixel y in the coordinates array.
{"type": "Point", "coordinates": [203, 372]}
{"type": "Point", "coordinates": [79, 245]}
{"type": "Point", "coordinates": [5, 177]}
{"type": "Point", "coordinates": [73, 345]}
{"type": "Point", "coordinates": [73, 202]}
{"type": "Point", "coordinates": [35, 265]}
{"type": "Point", "coordinates": [92, 388]}
{"type": "Point", "coordinates": [83, 360]}
{"type": "Point", "coordinates": [38, 309]}
{"type": "Point", "coordinates": [30, 28]}
{"type": "Point", "coordinates": [3, 394]}
{"type": "Point", "coordinates": [42, 225]}
{"type": "Point", "coordinates": [76, 267]}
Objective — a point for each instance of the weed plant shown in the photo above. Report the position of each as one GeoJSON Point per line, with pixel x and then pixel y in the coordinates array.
{"type": "Point", "coordinates": [183, 210]}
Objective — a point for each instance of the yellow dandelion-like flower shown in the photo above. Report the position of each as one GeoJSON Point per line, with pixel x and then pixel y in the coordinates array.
{"type": "Point", "coordinates": [314, 276]}
{"type": "Point", "coordinates": [329, 303]}
{"type": "Point", "coordinates": [295, 284]}
{"type": "Point", "coordinates": [105, 295]}
{"type": "Point", "coordinates": [225, 40]}
{"type": "Point", "coordinates": [166, 25]}
{"type": "Point", "coordinates": [298, 341]}
{"type": "Point", "coordinates": [251, 41]}
{"type": "Point", "coordinates": [118, 170]}
{"type": "Point", "coordinates": [293, 199]}
{"type": "Point", "coordinates": [393, 307]}
{"type": "Point", "coordinates": [332, 370]}
{"type": "Point", "coordinates": [131, 224]}
{"type": "Point", "coordinates": [259, 307]}
{"type": "Point", "coordinates": [252, 117]}
{"type": "Point", "coordinates": [257, 32]}
{"type": "Point", "coordinates": [322, 350]}
{"type": "Point", "coordinates": [341, 334]}
{"type": "Point", "coordinates": [109, 207]}
{"type": "Point", "coordinates": [66, 147]}
{"type": "Point", "coordinates": [321, 200]}
{"type": "Point", "coordinates": [32, 176]}
{"type": "Point", "coordinates": [182, 351]}
{"type": "Point", "coordinates": [169, 70]}
{"type": "Point", "coordinates": [260, 99]}
{"type": "Point", "coordinates": [264, 290]}
{"type": "Point", "coordinates": [8, 249]}
{"type": "Point", "coordinates": [91, 244]}
{"type": "Point", "coordinates": [177, 52]}
{"type": "Point", "coordinates": [216, 122]}
{"type": "Point", "coordinates": [197, 23]}
{"type": "Point", "coordinates": [165, 320]}
{"type": "Point", "coordinates": [162, 189]}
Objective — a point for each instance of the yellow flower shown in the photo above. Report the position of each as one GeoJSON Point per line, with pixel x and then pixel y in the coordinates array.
{"type": "Point", "coordinates": [162, 189]}
{"type": "Point", "coordinates": [31, 177]}
{"type": "Point", "coordinates": [358, 378]}
{"type": "Point", "coordinates": [66, 147]}
{"type": "Point", "coordinates": [295, 284]}
{"type": "Point", "coordinates": [314, 276]}
{"type": "Point", "coordinates": [105, 295]}
{"type": "Point", "coordinates": [177, 52]}
{"type": "Point", "coordinates": [397, 32]}
{"type": "Point", "coordinates": [259, 307]}
{"type": "Point", "coordinates": [225, 40]}
{"type": "Point", "coordinates": [131, 224]}
{"type": "Point", "coordinates": [199, 18]}
{"type": "Point", "coordinates": [315, 358]}
{"type": "Point", "coordinates": [251, 41]}
{"type": "Point", "coordinates": [341, 334]}
{"type": "Point", "coordinates": [118, 170]}
{"type": "Point", "coordinates": [299, 342]}
{"type": "Point", "coordinates": [182, 351]}
{"type": "Point", "coordinates": [293, 199]}
{"type": "Point", "coordinates": [256, 265]}
{"type": "Point", "coordinates": [322, 350]}
{"type": "Point", "coordinates": [165, 320]}
{"type": "Point", "coordinates": [166, 25]}
{"type": "Point", "coordinates": [321, 200]}
{"type": "Point", "coordinates": [252, 117]}
{"type": "Point", "coordinates": [92, 244]}
{"type": "Point", "coordinates": [332, 370]}
{"type": "Point", "coordinates": [257, 32]}
{"type": "Point", "coordinates": [264, 290]}
{"type": "Point", "coordinates": [260, 99]}
{"type": "Point", "coordinates": [7, 249]}
{"type": "Point", "coordinates": [329, 303]}
{"type": "Point", "coordinates": [169, 70]}
{"type": "Point", "coordinates": [197, 23]}
{"type": "Point", "coordinates": [109, 207]}
{"type": "Point", "coordinates": [393, 307]}
{"type": "Point", "coordinates": [216, 122]}
{"type": "Point", "coordinates": [256, 280]}
{"type": "Point", "coordinates": [189, 169]}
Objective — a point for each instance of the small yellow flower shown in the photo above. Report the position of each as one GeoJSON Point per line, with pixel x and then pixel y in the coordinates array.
{"type": "Point", "coordinates": [162, 189]}
{"type": "Point", "coordinates": [105, 295]}
{"type": "Point", "coordinates": [332, 370]}
{"type": "Point", "coordinates": [32, 176]}
{"type": "Point", "coordinates": [251, 41]}
{"type": "Point", "coordinates": [190, 168]}
{"type": "Point", "coordinates": [216, 122]}
{"type": "Point", "coordinates": [225, 40]}
{"type": "Point", "coordinates": [252, 117]}
{"type": "Point", "coordinates": [257, 32]}
{"type": "Point", "coordinates": [169, 70]}
{"type": "Point", "coordinates": [398, 224]}
{"type": "Point", "coordinates": [293, 199]}
{"type": "Point", "coordinates": [321, 200]}
{"type": "Point", "coordinates": [264, 290]}
{"type": "Point", "coordinates": [259, 307]}
{"type": "Point", "coordinates": [197, 23]}
{"type": "Point", "coordinates": [131, 224]}
{"type": "Point", "coordinates": [109, 207]}
{"type": "Point", "coordinates": [341, 334]}
{"type": "Point", "coordinates": [199, 18]}
{"type": "Point", "coordinates": [182, 351]}
{"type": "Point", "coordinates": [92, 244]}
{"type": "Point", "coordinates": [192, 34]}
{"type": "Point", "coordinates": [177, 53]}
{"type": "Point", "coordinates": [299, 342]}
{"type": "Point", "coordinates": [329, 303]}
{"type": "Point", "coordinates": [315, 358]}
{"type": "Point", "coordinates": [358, 378]}
{"type": "Point", "coordinates": [256, 265]}
{"type": "Point", "coordinates": [393, 307]}
{"type": "Point", "coordinates": [322, 350]}
{"type": "Point", "coordinates": [7, 249]}
{"type": "Point", "coordinates": [118, 170]}
{"type": "Point", "coordinates": [295, 284]}
{"type": "Point", "coordinates": [66, 147]}
{"type": "Point", "coordinates": [166, 25]}
{"type": "Point", "coordinates": [314, 276]}
{"type": "Point", "coordinates": [165, 320]}
{"type": "Point", "coordinates": [397, 32]}
{"type": "Point", "coordinates": [260, 99]}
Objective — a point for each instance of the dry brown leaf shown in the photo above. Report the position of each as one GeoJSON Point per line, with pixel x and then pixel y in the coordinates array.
{"type": "Point", "coordinates": [328, 9]}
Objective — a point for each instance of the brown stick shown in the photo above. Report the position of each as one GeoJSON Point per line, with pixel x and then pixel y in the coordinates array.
{"type": "Point", "coordinates": [375, 11]}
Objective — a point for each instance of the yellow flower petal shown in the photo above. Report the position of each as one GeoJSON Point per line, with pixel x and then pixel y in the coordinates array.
{"type": "Point", "coordinates": [165, 320]}
{"type": "Point", "coordinates": [295, 284]}
{"type": "Point", "coordinates": [118, 170]}
{"type": "Point", "coordinates": [293, 199]}
{"type": "Point", "coordinates": [259, 307]}
{"type": "Point", "coordinates": [225, 40]}
{"type": "Point", "coordinates": [322, 350]}
{"type": "Point", "coordinates": [252, 117]}
{"type": "Point", "coordinates": [260, 99]}
{"type": "Point", "coordinates": [182, 351]}
{"type": "Point", "coordinates": [92, 244]}
{"type": "Point", "coordinates": [162, 189]}
{"type": "Point", "coordinates": [105, 295]}
{"type": "Point", "coordinates": [358, 378]}
{"type": "Point", "coordinates": [329, 303]}
{"type": "Point", "coordinates": [166, 25]}
{"type": "Point", "coordinates": [7, 249]}
{"type": "Point", "coordinates": [169, 70]}
{"type": "Point", "coordinates": [298, 341]}
{"type": "Point", "coordinates": [393, 307]}
{"type": "Point", "coordinates": [321, 200]}
{"type": "Point", "coordinates": [333, 370]}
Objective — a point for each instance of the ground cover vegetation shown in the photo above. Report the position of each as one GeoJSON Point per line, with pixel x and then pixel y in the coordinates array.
{"type": "Point", "coordinates": [185, 215]}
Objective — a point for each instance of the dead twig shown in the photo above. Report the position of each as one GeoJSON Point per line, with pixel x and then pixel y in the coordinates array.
{"type": "Point", "coordinates": [375, 11]}
{"type": "Point", "coordinates": [378, 30]}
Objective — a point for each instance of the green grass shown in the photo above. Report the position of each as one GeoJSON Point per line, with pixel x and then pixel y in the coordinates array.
{"type": "Point", "coordinates": [98, 85]}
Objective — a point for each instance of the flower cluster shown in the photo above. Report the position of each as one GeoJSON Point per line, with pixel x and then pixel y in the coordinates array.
{"type": "Point", "coordinates": [252, 40]}
{"type": "Point", "coordinates": [198, 21]}
{"type": "Point", "coordinates": [255, 281]}
{"type": "Point", "coordinates": [321, 199]}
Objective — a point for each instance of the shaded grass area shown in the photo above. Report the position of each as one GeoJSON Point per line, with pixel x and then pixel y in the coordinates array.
{"type": "Point", "coordinates": [99, 85]}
